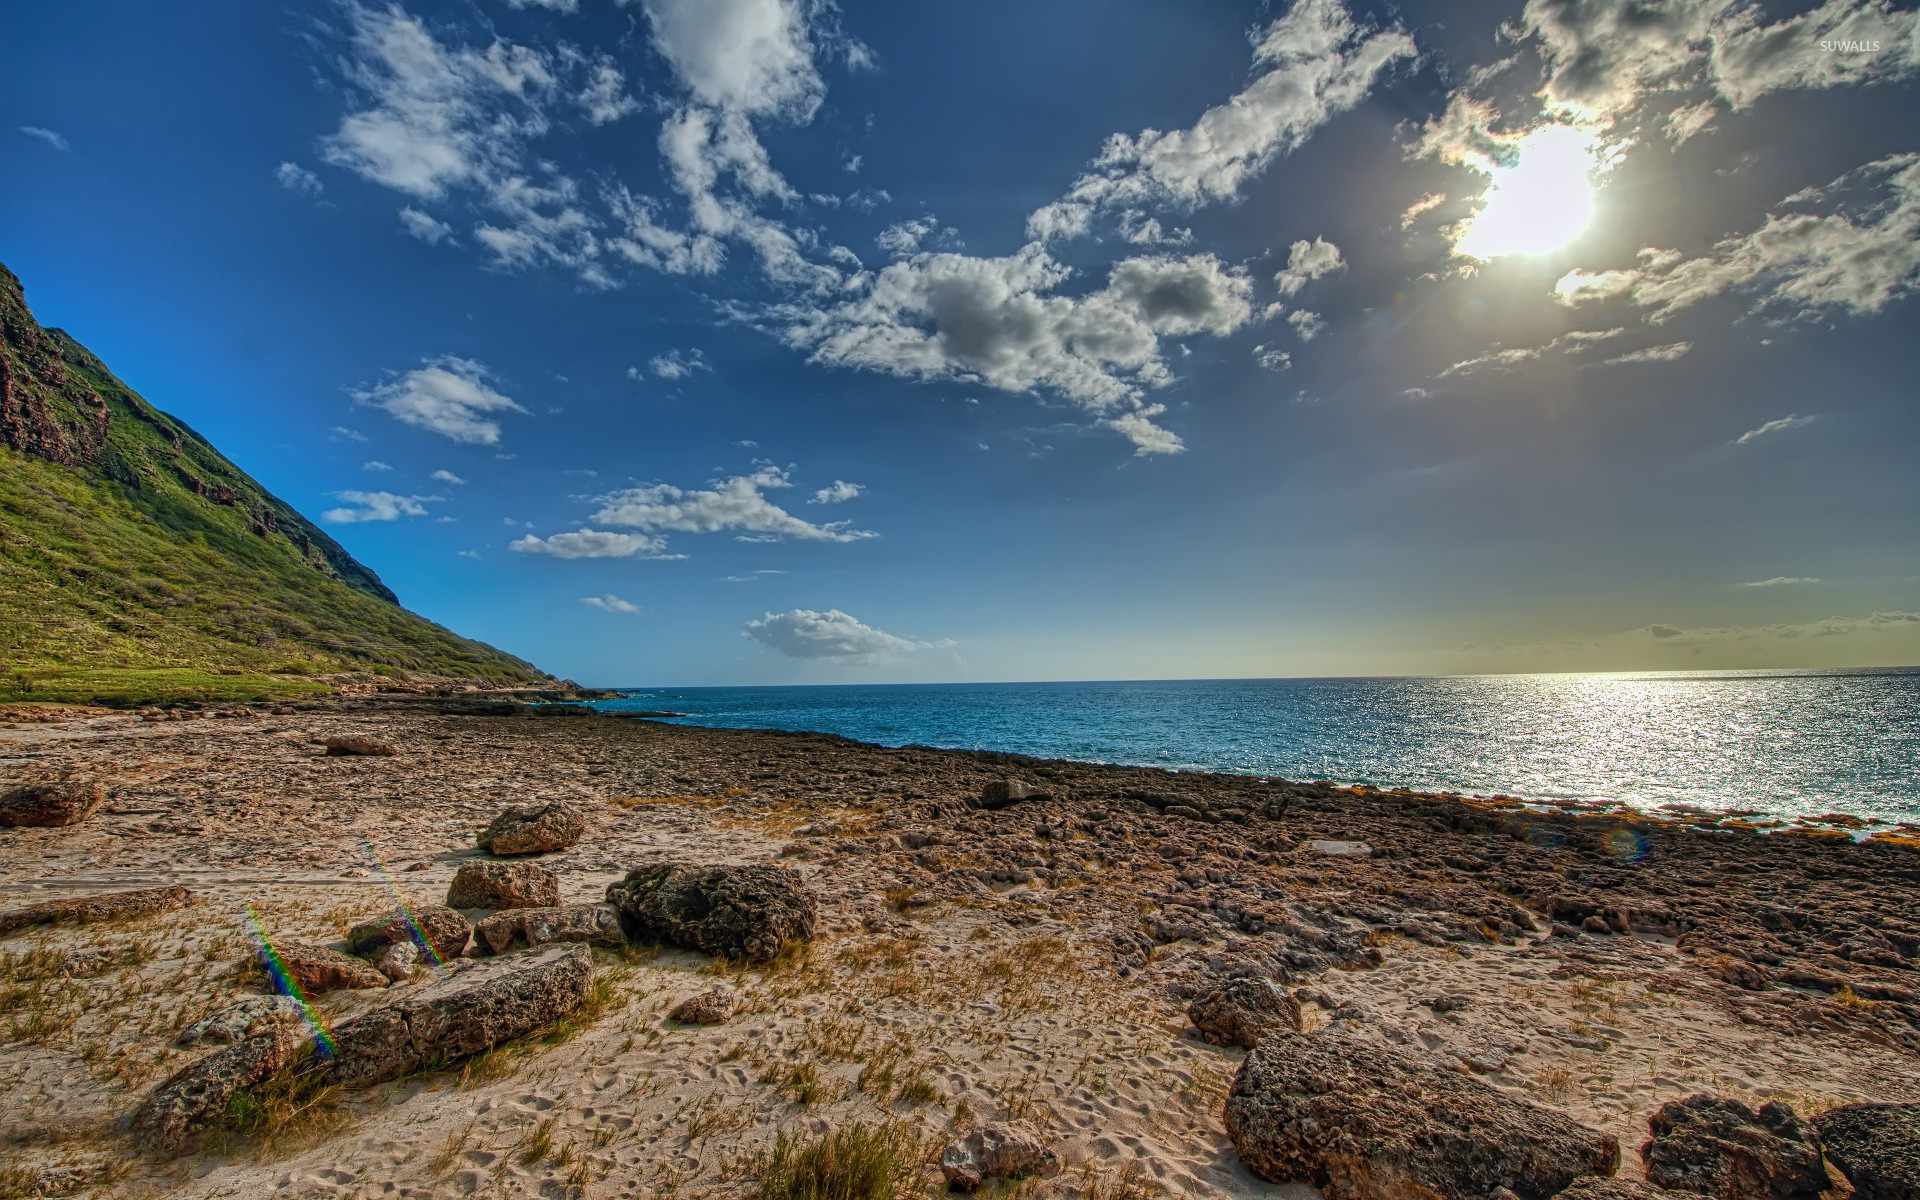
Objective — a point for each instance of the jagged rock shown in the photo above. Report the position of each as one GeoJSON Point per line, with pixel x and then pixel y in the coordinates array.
{"type": "Point", "coordinates": [316, 970]}
{"type": "Point", "coordinates": [1365, 1122]}
{"type": "Point", "coordinates": [398, 960]}
{"type": "Point", "coordinates": [202, 1091]}
{"type": "Point", "coordinates": [350, 745]}
{"type": "Point", "coordinates": [503, 885]}
{"type": "Point", "coordinates": [1593, 1187]}
{"type": "Point", "coordinates": [1242, 1011]}
{"type": "Point", "coordinates": [443, 930]}
{"type": "Point", "coordinates": [1717, 1146]}
{"type": "Point", "coordinates": [81, 910]}
{"type": "Point", "coordinates": [50, 804]}
{"type": "Point", "coordinates": [493, 1001]}
{"type": "Point", "coordinates": [748, 912]}
{"type": "Point", "coordinates": [254, 1015]}
{"type": "Point", "coordinates": [1005, 793]}
{"type": "Point", "coordinates": [1012, 1151]}
{"type": "Point", "coordinates": [533, 829]}
{"type": "Point", "coordinates": [712, 1007]}
{"type": "Point", "coordinates": [595, 924]}
{"type": "Point", "coordinates": [1876, 1146]}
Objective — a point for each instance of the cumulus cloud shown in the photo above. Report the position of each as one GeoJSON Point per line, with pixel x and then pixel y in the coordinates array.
{"type": "Point", "coordinates": [906, 237]}
{"type": "Point", "coordinates": [589, 543]}
{"type": "Point", "coordinates": [50, 137]}
{"type": "Point", "coordinates": [1778, 425]}
{"type": "Point", "coordinates": [804, 633]}
{"type": "Point", "coordinates": [839, 493]}
{"type": "Point", "coordinates": [1781, 581]}
{"type": "Point", "coordinates": [449, 396]}
{"type": "Point", "coordinates": [1001, 322]}
{"type": "Point", "coordinates": [678, 364]}
{"type": "Point", "coordinates": [424, 226]}
{"type": "Point", "coordinates": [1652, 354]}
{"type": "Point", "coordinates": [1508, 359]}
{"type": "Point", "coordinates": [296, 178]}
{"type": "Point", "coordinates": [610, 603]}
{"type": "Point", "coordinates": [1272, 359]}
{"type": "Point", "coordinates": [746, 56]}
{"type": "Point", "coordinates": [604, 97]}
{"type": "Point", "coordinates": [738, 504]}
{"type": "Point", "coordinates": [445, 476]}
{"type": "Point", "coordinates": [1307, 324]}
{"type": "Point", "coordinates": [1306, 262]}
{"type": "Point", "coordinates": [1311, 64]}
{"type": "Point", "coordinates": [375, 506]}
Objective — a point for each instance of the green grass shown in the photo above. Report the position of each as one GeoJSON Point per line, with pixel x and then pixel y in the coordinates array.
{"type": "Point", "coordinates": [851, 1162]}
{"type": "Point", "coordinates": [137, 564]}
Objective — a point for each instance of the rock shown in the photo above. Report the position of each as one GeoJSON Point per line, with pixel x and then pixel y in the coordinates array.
{"type": "Point", "coordinates": [503, 885]}
{"type": "Point", "coordinates": [1592, 1187]}
{"type": "Point", "coordinates": [1717, 1146]}
{"type": "Point", "coordinates": [316, 970]}
{"type": "Point", "coordinates": [746, 912]}
{"type": "Point", "coordinates": [254, 1015]}
{"type": "Point", "coordinates": [1339, 849]}
{"type": "Point", "coordinates": [595, 924]}
{"type": "Point", "coordinates": [712, 1007]}
{"type": "Point", "coordinates": [84, 909]}
{"type": "Point", "coordinates": [350, 745]}
{"type": "Point", "coordinates": [1876, 1146]}
{"type": "Point", "coordinates": [50, 804]}
{"type": "Point", "coordinates": [533, 829]}
{"type": "Point", "coordinates": [1010, 1151]}
{"type": "Point", "coordinates": [202, 1092]}
{"type": "Point", "coordinates": [1242, 1011]}
{"type": "Point", "coordinates": [1365, 1122]}
{"type": "Point", "coordinates": [1005, 793]}
{"type": "Point", "coordinates": [450, 1018]}
{"type": "Point", "coordinates": [432, 926]}
{"type": "Point", "coordinates": [398, 960]}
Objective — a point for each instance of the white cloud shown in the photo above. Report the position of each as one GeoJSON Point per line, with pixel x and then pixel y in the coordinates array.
{"type": "Point", "coordinates": [1781, 581]}
{"type": "Point", "coordinates": [50, 137]}
{"type": "Point", "coordinates": [677, 364]}
{"type": "Point", "coordinates": [804, 633]}
{"type": "Point", "coordinates": [1691, 120]}
{"type": "Point", "coordinates": [905, 237]}
{"type": "Point", "coordinates": [1652, 354]}
{"type": "Point", "coordinates": [1312, 64]}
{"type": "Point", "coordinates": [427, 228]}
{"type": "Point", "coordinates": [1507, 360]}
{"type": "Point", "coordinates": [839, 493]}
{"type": "Point", "coordinates": [562, 6]}
{"type": "Point", "coordinates": [1421, 207]}
{"type": "Point", "coordinates": [610, 603]}
{"type": "Point", "coordinates": [1272, 359]}
{"type": "Point", "coordinates": [589, 543]}
{"type": "Point", "coordinates": [745, 56]}
{"type": "Point", "coordinates": [374, 464]}
{"type": "Point", "coordinates": [1778, 425]}
{"type": "Point", "coordinates": [296, 178]}
{"type": "Point", "coordinates": [448, 396]}
{"type": "Point", "coordinates": [738, 504]}
{"type": "Point", "coordinates": [343, 434]}
{"type": "Point", "coordinates": [604, 98]}
{"type": "Point", "coordinates": [997, 321]}
{"type": "Point", "coordinates": [446, 476]}
{"type": "Point", "coordinates": [376, 506]}
{"type": "Point", "coordinates": [1858, 249]}
{"type": "Point", "coordinates": [1308, 325]}
{"type": "Point", "coordinates": [1306, 262]}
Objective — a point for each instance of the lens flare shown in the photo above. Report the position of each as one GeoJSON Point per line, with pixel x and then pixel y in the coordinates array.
{"type": "Point", "coordinates": [418, 934]}
{"type": "Point", "coordinates": [1538, 199]}
{"type": "Point", "coordinates": [286, 985]}
{"type": "Point", "coordinates": [1627, 846]}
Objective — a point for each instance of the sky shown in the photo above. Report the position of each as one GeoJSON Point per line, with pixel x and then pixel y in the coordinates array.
{"type": "Point", "coordinates": [769, 341]}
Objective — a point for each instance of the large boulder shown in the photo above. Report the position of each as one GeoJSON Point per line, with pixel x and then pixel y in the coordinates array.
{"type": "Point", "coordinates": [485, 884]}
{"type": "Point", "coordinates": [1364, 1122]}
{"type": "Point", "coordinates": [1005, 793]}
{"type": "Point", "coordinates": [200, 1093]}
{"type": "Point", "coordinates": [81, 910]}
{"type": "Point", "coordinates": [1242, 1011]}
{"type": "Point", "coordinates": [533, 829]}
{"type": "Point", "coordinates": [1717, 1146]}
{"type": "Point", "coordinates": [443, 930]}
{"type": "Point", "coordinates": [316, 970]}
{"type": "Point", "coordinates": [744, 912]}
{"type": "Point", "coordinates": [48, 804]}
{"type": "Point", "coordinates": [492, 1001]}
{"type": "Point", "coordinates": [1012, 1151]}
{"type": "Point", "coordinates": [594, 924]}
{"type": "Point", "coordinates": [1876, 1146]}
{"type": "Point", "coordinates": [715, 1006]}
{"type": "Point", "coordinates": [352, 746]}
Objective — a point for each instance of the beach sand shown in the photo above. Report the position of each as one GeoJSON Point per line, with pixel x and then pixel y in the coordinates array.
{"type": "Point", "coordinates": [1032, 962]}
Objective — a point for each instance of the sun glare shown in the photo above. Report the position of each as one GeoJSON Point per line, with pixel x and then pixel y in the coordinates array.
{"type": "Point", "coordinates": [1540, 199]}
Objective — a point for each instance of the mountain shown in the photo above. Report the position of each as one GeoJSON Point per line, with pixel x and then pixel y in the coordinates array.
{"type": "Point", "coordinates": [136, 562]}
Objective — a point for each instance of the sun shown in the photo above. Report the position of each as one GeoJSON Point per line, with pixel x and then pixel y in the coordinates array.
{"type": "Point", "coordinates": [1539, 199]}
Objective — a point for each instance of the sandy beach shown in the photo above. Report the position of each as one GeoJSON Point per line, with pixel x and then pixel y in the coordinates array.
{"type": "Point", "coordinates": [1033, 962]}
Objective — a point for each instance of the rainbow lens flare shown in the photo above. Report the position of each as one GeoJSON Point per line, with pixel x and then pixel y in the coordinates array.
{"type": "Point", "coordinates": [286, 985]}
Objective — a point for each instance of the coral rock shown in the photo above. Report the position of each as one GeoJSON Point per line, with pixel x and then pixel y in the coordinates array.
{"type": "Point", "coordinates": [534, 829]}
{"type": "Point", "coordinates": [50, 803]}
{"type": "Point", "coordinates": [1877, 1147]}
{"type": "Point", "coordinates": [746, 912]}
{"type": "Point", "coordinates": [1717, 1146]}
{"type": "Point", "coordinates": [1012, 1151]}
{"type": "Point", "coordinates": [1242, 1011]}
{"type": "Point", "coordinates": [594, 924]}
{"type": "Point", "coordinates": [503, 885]}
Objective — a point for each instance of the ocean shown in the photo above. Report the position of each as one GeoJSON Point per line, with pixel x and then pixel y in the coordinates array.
{"type": "Point", "coordinates": [1781, 743]}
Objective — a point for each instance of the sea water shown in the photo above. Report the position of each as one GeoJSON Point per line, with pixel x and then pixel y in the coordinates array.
{"type": "Point", "coordinates": [1783, 743]}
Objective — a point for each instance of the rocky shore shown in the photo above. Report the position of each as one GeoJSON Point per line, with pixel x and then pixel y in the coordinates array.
{"type": "Point", "coordinates": [687, 958]}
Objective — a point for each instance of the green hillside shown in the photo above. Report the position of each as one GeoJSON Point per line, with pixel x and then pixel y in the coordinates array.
{"type": "Point", "coordinates": [137, 562]}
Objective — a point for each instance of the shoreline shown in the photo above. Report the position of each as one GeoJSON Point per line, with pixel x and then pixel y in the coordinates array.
{"type": "Point", "coordinates": [1033, 960]}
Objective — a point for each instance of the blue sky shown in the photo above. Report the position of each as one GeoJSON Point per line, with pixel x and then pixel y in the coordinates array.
{"type": "Point", "coordinates": [724, 341]}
